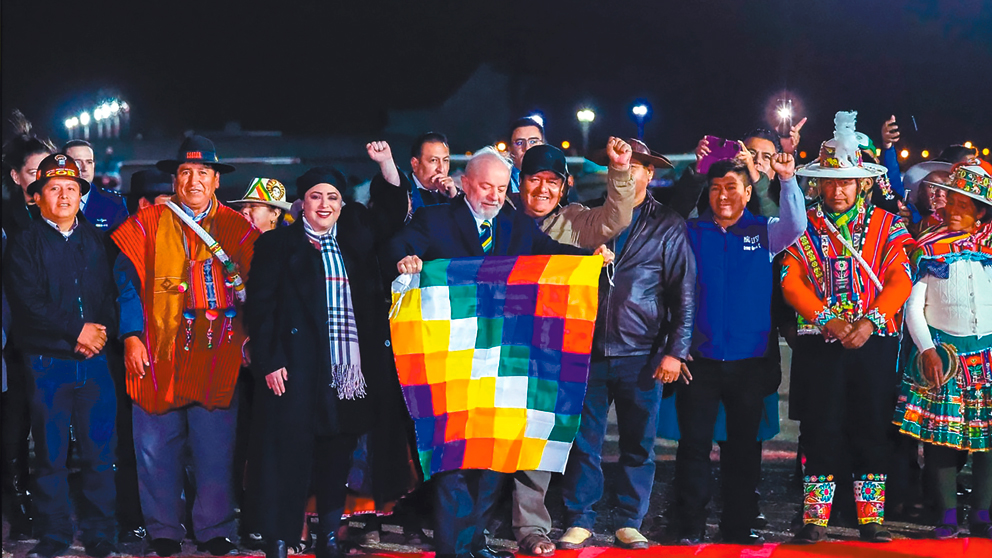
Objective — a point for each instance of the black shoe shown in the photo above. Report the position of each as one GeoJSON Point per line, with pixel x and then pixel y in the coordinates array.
{"type": "Point", "coordinates": [749, 537]}
{"type": "Point", "coordinates": [131, 535]}
{"type": "Point", "coordinates": [48, 548]}
{"type": "Point", "coordinates": [254, 541]}
{"type": "Point", "coordinates": [218, 546]}
{"type": "Point", "coordinates": [759, 521]}
{"type": "Point", "coordinates": [18, 512]}
{"type": "Point", "coordinates": [692, 539]}
{"type": "Point", "coordinates": [874, 532]}
{"type": "Point", "coordinates": [327, 547]}
{"type": "Point", "coordinates": [810, 533]}
{"type": "Point", "coordinates": [487, 552]}
{"type": "Point", "coordinates": [166, 547]}
{"type": "Point", "coordinates": [276, 549]}
{"type": "Point", "coordinates": [101, 548]}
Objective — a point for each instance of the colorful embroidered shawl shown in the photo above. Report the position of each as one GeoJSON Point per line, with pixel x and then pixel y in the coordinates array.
{"type": "Point", "coordinates": [939, 247]}
{"type": "Point", "coordinates": [192, 334]}
{"type": "Point", "coordinates": [883, 236]}
{"type": "Point", "coordinates": [493, 358]}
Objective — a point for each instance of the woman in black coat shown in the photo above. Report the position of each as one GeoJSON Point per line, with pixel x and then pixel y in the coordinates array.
{"type": "Point", "coordinates": [318, 387]}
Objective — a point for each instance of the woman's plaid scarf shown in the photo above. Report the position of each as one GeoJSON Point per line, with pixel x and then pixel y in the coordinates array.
{"type": "Point", "coordinates": [346, 361]}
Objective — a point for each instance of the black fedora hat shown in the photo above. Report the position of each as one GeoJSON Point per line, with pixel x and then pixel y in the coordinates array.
{"type": "Point", "coordinates": [57, 165]}
{"type": "Point", "coordinates": [151, 181]}
{"type": "Point", "coordinates": [195, 149]}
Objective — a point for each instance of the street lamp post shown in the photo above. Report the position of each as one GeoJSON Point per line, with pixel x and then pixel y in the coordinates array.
{"type": "Point", "coordinates": [84, 121]}
{"type": "Point", "coordinates": [640, 112]}
{"type": "Point", "coordinates": [585, 117]}
{"type": "Point", "coordinates": [71, 124]}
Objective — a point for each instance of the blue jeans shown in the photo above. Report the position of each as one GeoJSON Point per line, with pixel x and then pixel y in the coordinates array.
{"type": "Point", "coordinates": [163, 444]}
{"type": "Point", "coordinates": [78, 393]}
{"type": "Point", "coordinates": [628, 381]}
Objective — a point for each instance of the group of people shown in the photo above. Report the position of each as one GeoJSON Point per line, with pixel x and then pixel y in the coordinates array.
{"type": "Point", "coordinates": [128, 335]}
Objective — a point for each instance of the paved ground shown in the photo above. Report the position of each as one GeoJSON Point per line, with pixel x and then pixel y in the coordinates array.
{"type": "Point", "coordinates": [780, 498]}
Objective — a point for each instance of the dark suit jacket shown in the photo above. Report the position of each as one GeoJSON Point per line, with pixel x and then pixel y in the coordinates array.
{"type": "Point", "coordinates": [390, 204]}
{"type": "Point", "coordinates": [449, 231]}
{"type": "Point", "coordinates": [105, 209]}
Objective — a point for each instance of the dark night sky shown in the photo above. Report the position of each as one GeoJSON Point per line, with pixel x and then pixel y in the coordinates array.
{"type": "Point", "coordinates": [706, 66]}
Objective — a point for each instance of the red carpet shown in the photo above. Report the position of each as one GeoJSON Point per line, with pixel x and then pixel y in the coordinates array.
{"type": "Point", "coordinates": [971, 548]}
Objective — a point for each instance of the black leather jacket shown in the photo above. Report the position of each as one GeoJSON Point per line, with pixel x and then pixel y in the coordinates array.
{"type": "Point", "coordinates": [650, 306]}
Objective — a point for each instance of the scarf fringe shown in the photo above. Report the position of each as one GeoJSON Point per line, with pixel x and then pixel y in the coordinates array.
{"type": "Point", "coordinates": [348, 380]}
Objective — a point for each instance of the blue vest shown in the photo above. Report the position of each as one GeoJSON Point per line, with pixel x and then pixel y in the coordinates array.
{"type": "Point", "coordinates": [733, 287]}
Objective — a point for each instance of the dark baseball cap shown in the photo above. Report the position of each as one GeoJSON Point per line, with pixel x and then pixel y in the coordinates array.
{"type": "Point", "coordinates": [544, 157]}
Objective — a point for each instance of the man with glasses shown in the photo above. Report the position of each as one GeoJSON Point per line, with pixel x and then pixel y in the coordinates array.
{"type": "Point", "coordinates": [524, 133]}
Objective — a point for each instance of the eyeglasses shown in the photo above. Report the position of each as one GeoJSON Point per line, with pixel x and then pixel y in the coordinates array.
{"type": "Point", "coordinates": [529, 142]}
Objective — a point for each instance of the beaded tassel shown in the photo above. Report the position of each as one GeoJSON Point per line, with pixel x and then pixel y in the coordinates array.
{"type": "Point", "coordinates": [190, 316]}
{"type": "Point", "coordinates": [211, 316]}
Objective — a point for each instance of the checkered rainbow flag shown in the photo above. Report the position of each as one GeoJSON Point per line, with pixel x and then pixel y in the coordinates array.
{"type": "Point", "coordinates": [493, 358]}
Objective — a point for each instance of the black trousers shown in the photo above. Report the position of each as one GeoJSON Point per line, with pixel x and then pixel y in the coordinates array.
{"type": "Point", "coordinates": [332, 461]}
{"type": "Point", "coordinates": [464, 502]}
{"type": "Point", "coordinates": [847, 404]}
{"type": "Point", "coordinates": [742, 386]}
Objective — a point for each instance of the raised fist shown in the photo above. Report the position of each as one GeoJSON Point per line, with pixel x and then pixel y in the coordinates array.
{"type": "Point", "coordinates": [619, 152]}
{"type": "Point", "coordinates": [379, 151]}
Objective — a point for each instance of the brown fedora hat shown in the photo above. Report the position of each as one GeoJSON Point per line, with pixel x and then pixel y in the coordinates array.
{"type": "Point", "coordinates": [641, 153]}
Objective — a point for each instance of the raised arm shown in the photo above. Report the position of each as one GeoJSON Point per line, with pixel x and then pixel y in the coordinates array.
{"type": "Point", "coordinates": [592, 227]}
{"type": "Point", "coordinates": [890, 137]}
{"type": "Point", "coordinates": [786, 229]}
{"type": "Point", "coordinates": [380, 152]}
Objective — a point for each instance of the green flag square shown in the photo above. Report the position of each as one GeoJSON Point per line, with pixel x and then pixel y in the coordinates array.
{"type": "Point", "coordinates": [565, 428]}
{"type": "Point", "coordinates": [434, 274]}
{"type": "Point", "coordinates": [463, 304]}
{"type": "Point", "coordinates": [490, 333]}
{"type": "Point", "coordinates": [542, 395]}
{"type": "Point", "coordinates": [514, 360]}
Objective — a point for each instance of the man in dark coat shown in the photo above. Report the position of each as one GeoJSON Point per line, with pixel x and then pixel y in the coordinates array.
{"type": "Point", "coordinates": [643, 331]}
{"type": "Point", "coordinates": [474, 225]}
{"type": "Point", "coordinates": [64, 305]}
{"type": "Point", "coordinates": [103, 208]}
{"type": "Point", "coordinates": [395, 195]}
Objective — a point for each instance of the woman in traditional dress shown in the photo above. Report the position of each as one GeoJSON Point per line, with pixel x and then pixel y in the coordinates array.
{"type": "Point", "coordinates": [946, 396]}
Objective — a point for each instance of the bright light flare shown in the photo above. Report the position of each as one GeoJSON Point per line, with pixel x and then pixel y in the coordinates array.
{"type": "Point", "coordinates": [925, 153]}
{"type": "Point", "coordinates": [968, 144]}
{"type": "Point", "coordinates": [84, 118]}
{"type": "Point", "coordinates": [71, 123]}
{"type": "Point", "coordinates": [565, 144]}
{"type": "Point", "coordinates": [640, 111]}
{"type": "Point", "coordinates": [904, 153]}
{"type": "Point", "coordinates": [501, 146]}
{"type": "Point", "coordinates": [585, 115]}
